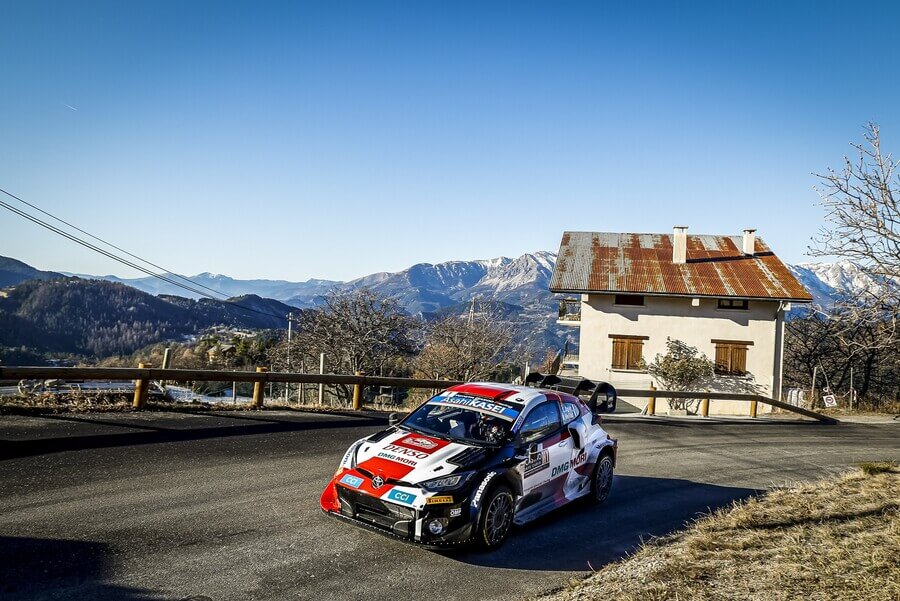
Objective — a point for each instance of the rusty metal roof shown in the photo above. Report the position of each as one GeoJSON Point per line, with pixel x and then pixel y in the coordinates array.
{"type": "Point", "coordinates": [642, 264]}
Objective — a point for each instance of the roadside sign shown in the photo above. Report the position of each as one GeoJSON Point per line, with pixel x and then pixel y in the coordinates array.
{"type": "Point", "coordinates": [830, 400]}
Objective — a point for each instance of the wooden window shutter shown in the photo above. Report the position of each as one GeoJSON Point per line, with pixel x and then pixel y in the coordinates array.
{"type": "Point", "coordinates": [739, 359]}
{"type": "Point", "coordinates": [723, 358]}
{"type": "Point", "coordinates": [635, 350]}
{"type": "Point", "coordinates": [620, 354]}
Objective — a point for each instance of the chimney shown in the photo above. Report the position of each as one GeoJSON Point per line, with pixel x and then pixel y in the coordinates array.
{"type": "Point", "coordinates": [679, 244]}
{"type": "Point", "coordinates": [749, 242]}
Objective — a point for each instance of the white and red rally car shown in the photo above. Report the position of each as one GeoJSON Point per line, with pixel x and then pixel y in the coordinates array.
{"type": "Point", "coordinates": [475, 459]}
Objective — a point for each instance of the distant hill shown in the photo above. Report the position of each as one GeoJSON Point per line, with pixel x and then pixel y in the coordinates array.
{"type": "Point", "coordinates": [14, 272]}
{"type": "Point", "coordinates": [99, 318]}
{"type": "Point", "coordinates": [304, 294]}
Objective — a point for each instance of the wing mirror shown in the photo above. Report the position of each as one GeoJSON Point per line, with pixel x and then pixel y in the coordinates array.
{"type": "Point", "coordinates": [393, 419]}
{"type": "Point", "coordinates": [578, 431]}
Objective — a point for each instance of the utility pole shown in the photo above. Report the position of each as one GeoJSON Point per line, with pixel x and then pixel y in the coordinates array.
{"type": "Point", "coordinates": [852, 392]}
{"type": "Point", "coordinates": [321, 386]}
{"type": "Point", "coordinates": [287, 386]}
{"type": "Point", "coordinates": [812, 393]}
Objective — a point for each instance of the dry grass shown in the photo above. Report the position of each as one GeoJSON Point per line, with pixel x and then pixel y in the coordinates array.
{"type": "Point", "coordinates": [834, 539]}
{"type": "Point", "coordinates": [67, 403]}
{"type": "Point", "coordinates": [40, 404]}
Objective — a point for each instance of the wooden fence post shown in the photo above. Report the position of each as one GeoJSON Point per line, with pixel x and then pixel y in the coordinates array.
{"type": "Point", "coordinates": [704, 407]}
{"type": "Point", "coordinates": [140, 389]}
{"type": "Point", "coordinates": [259, 388]}
{"type": "Point", "coordinates": [651, 402]}
{"type": "Point", "coordinates": [752, 409]}
{"type": "Point", "coordinates": [357, 394]}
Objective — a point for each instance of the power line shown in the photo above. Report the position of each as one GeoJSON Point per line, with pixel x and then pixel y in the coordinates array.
{"type": "Point", "coordinates": [110, 244]}
{"type": "Point", "coordinates": [119, 259]}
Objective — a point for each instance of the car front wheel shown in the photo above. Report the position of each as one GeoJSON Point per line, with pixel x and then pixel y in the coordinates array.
{"type": "Point", "coordinates": [496, 518]}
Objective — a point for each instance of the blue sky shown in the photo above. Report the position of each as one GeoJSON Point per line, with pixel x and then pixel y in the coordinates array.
{"type": "Point", "coordinates": [338, 139]}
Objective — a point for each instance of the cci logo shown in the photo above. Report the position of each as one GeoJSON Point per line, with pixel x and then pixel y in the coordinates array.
{"type": "Point", "coordinates": [351, 480]}
{"type": "Point", "coordinates": [401, 497]}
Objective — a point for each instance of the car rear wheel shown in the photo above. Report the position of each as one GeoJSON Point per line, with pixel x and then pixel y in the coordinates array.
{"type": "Point", "coordinates": [601, 482]}
{"type": "Point", "coordinates": [496, 518]}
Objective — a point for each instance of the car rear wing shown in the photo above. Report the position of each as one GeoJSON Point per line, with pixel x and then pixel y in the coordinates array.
{"type": "Point", "coordinates": [601, 395]}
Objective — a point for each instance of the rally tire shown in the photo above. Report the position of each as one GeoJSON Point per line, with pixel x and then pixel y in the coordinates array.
{"type": "Point", "coordinates": [496, 518]}
{"type": "Point", "coordinates": [602, 479]}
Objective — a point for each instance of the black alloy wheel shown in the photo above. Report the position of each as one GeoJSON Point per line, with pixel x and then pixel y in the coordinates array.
{"type": "Point", "coordinates": [602, 481]}
{"type": "Point", "coordinates": [497, 517]}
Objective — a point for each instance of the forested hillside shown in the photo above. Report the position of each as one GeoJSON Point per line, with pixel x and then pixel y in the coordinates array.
{"type": "Point", "coordinates": [98, 318]}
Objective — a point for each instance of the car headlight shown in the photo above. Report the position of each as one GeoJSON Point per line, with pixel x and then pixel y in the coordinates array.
{"type": "Point", "coordinates": [451, 482]}
{"type": "Point", "coordinates": [349, 459]}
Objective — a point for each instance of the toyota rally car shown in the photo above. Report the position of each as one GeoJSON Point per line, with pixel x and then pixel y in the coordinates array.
{"type": "Point", "coordinates": [475, 459]}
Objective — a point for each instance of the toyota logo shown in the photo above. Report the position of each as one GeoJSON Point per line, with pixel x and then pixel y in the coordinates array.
{"type": "Point", "coordinates": [377, 482]}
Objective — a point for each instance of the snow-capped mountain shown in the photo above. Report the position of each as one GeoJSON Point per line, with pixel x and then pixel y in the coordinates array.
{"type": "Point", "coordinates": [522, 281]}
{"type": "Point", "coordinates": [422, 288]}
{"type": "Point", "coordinates": [427, 288]}
{"type": "Point", "coordinates": [828, 282]}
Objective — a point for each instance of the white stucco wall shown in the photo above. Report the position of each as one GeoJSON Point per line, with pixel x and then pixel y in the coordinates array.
{"type": "Point", "coordinates": [675, 317]}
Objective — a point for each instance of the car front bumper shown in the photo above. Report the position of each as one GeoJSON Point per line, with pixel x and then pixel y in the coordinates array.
{"type": "Point", "coordinates": [399, 521]}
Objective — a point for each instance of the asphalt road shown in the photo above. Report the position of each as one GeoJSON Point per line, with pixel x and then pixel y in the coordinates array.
{"type": "Point", "coordinates": [225, 506]}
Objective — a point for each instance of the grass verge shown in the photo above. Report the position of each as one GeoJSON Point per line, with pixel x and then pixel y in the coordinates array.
{"type": "Point", "coordinates": [834, 539]}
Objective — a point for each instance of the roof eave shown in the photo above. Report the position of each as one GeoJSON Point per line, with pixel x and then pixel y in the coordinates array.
{"type": "Point", "coordinates": [678, 295]}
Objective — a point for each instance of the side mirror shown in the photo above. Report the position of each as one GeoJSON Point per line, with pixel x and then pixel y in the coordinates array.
{"type": "Point", "coordinates": [579, 433]}
{"type": "Point", "coordinates": [393, 419]}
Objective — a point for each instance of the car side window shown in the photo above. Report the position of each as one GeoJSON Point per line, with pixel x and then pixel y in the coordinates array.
{"type": "Point", "coordinates": [569, 412]}
{"type": "Point", "coordinates": [542, 420]}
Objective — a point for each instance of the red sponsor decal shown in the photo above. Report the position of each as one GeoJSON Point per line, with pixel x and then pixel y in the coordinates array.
{"type": "Point", "coordinates": [421, 443]}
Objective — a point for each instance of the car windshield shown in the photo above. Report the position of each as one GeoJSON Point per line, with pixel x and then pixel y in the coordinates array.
{"type": "Point", "coordinates": [464, 418]}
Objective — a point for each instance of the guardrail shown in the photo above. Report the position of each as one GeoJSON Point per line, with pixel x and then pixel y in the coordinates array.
{"type": "Point", "coordinates": [143, 375]}
{"type": "Point", "coordinates": [706, 396]}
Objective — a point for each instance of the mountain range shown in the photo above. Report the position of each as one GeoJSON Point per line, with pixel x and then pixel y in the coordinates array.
{"type": "Point", "coordinates": [426, 287]}
{"type": "Point", "coordinates": [107, 314]}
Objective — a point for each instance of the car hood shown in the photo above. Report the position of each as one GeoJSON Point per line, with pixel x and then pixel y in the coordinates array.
{"type": "Point", "coordinates": [410, 457]}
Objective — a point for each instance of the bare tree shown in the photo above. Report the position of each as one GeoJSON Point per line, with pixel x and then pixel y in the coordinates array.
{"type": "Point", "coordinates": [861, 203]}
{"type": "Point", "coordinates": [863, 225]}
{"type": "Point", "coordinates": [843, 343]}
{"type": "Point", "coordinates": [358, 330]}
{"type": "Point", "coordinates": [467, 347]}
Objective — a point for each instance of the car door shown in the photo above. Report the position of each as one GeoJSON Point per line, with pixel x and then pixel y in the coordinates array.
{"type": "Point", "coordinates": [542, 427]}
{"type": "Point", "coordinates": [577, 470]}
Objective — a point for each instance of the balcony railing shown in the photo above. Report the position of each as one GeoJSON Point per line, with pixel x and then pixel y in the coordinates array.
{"type": "Point", "coordinates": [570, 359]}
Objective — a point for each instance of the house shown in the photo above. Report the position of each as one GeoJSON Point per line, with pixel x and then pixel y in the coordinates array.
{"type": "Point", "coordinates": [220, 352]}
{"type": "Point", "coordinates": [628, 293]}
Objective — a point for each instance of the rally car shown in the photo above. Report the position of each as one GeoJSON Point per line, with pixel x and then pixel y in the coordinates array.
{"type": "Point", "coordinates": [474, 460]}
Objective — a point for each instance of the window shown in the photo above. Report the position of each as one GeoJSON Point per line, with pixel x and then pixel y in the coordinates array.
{"type": "Point", "coordinates": [543, 420]}
{"type": "Point", "coordinates": [731, 357]}
{"type": "Point", "coordinates": [734, 303]}
{"type": "Point", "coordinates": [628, 352]}
{"type": "Point", "coordinates": [570, 411]}
{"type": "Point", "coordinates": [630, 299]}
